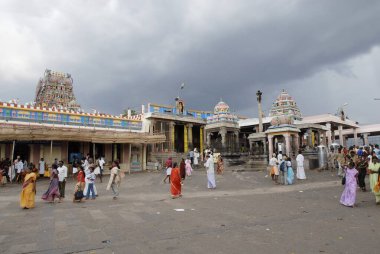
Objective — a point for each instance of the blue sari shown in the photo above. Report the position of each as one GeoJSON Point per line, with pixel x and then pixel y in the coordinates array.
{"type": "Point", "coordinates": [290, 176]}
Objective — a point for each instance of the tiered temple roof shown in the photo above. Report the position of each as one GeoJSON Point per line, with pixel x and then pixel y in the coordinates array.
{"type": "Point", "coordinates": [55, 90]}
{"type": "Point", "coordinates": [285, 105]}
{"type": "Point", "coordinates": [222, 114]}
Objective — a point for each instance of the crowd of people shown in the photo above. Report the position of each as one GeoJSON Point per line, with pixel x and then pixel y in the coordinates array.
{"type": "Point", "coordinates": [352, 164]}
{"type": "Point", "coordinates": [85, 172]}
{"type": "Point", "coordinates": [176, 174]}
{"type": "Point", "coordinates": [281, 170]}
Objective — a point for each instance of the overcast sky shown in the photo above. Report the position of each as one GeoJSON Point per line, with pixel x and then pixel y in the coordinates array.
{"type": "Point", "coordinates": [127, 53]}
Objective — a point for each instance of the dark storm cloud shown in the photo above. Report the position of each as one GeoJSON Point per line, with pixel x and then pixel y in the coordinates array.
{"type": "Point", "coordinates": [122, 54]}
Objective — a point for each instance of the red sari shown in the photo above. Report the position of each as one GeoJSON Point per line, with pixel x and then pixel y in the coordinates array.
{"type": "Point", "coordinates": [175, 183]}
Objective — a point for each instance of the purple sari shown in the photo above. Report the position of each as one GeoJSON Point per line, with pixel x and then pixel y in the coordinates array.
{"type": "Point", "coordinates": [53, 190]}
{"type": "Point", "coordinates": [349, 193]}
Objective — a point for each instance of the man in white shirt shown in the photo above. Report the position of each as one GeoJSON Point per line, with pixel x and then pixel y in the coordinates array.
{"type": "Point", "coordinates": [210, 172]}
{"type": "Point", "coordinates": [279, 157]}
{"type": "Point", "coordinates": [62, 175]}
{"type": "Point", "coordinates": [101, 163]}
{"type": "Point", "coordinates": [19, 167]}
{"type": "Point", "coordinates": [42, 167]}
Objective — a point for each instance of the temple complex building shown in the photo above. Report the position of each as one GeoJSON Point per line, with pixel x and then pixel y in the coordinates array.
{"type": "Point", "coordinates": [184, 129]}
{"type": "Point", "coordinates": [55, 90]}
{"type": "Point", "coordinates": [286, 130]}
{"type": "Point", "coordinates": [222, 129]}
{"type": "Point", "coordinates": [55, 127]}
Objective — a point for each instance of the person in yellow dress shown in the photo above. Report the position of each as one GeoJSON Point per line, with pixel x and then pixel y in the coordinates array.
{"type": "Point", "coordinates": [28, 192]}
{"type": "Point", "coordinates": [374, 168]}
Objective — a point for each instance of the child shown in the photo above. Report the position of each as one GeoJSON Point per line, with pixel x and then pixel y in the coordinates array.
{"type": "Point", "coordinates": [168, 173]}
{"type": "Point", "coordinates": [91, 182]}
{"type": "Point", "coordinates": [78, 193]}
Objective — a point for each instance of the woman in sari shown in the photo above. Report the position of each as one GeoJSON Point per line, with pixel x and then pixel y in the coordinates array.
{"type": "Point", "coordinates": [79, 186]}
{"type": "Point", "coordinates": [53, 190]}
{"type": "Point", "coordinates": [175, 182]}
{"type": "Point", "coordinates": [182, 169]}
{"type": "Point", "coordinates": [349, 193]}
{"type": "Point", "coordinates": [189, 169]}
{"type": "Point", "coordinates": [373, 169]}
{"type": "Point", "coordinates": [290, 171]}
{"type": "Point", "coordinates": [81, 177]}
{"type": "Point", "coordinates": [28, 192]}
{"type": "Point", "coordinates": [219, 165]}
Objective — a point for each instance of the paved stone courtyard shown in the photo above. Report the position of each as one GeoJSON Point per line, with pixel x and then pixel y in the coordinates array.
{"type": "Point", "coordinates": [245, 214]}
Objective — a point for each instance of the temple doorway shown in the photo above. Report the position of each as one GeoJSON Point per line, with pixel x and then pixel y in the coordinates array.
{"type": "Point", "coordinates": [22, 149]}
{"type": "Point", "coordinates": [74, 151]}
{"type": "Point", "coordinates": [196, 138]}
{"type": "Point", "coordinates": [179, 138]}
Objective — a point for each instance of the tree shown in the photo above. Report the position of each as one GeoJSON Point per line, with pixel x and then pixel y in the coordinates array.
{"type": "Point", "coordinates": [133, 112]}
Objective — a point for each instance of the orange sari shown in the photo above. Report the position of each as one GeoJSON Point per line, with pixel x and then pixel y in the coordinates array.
{"type": "Point", "coordinates": [175, 183]}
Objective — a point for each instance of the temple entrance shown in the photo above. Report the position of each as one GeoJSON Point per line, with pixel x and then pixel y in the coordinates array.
{"type": "Point", "coordinates": [179, 138]}
{"type": "Point", "coordinates": [23, 150]}
{"type": "Point", "coordinates": [74, 151]}
{"type": "Point", "coordinates": [279, 144]}
{"type": "Point", "coordinates": [99, 150]}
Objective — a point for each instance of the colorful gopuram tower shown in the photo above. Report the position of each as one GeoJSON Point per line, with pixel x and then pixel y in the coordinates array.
{"type": "Point", "coordinates": [55, 89]}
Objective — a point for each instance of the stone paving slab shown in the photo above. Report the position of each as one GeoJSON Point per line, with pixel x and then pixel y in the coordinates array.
{"type": "Point", "coordinates": [247, 213]}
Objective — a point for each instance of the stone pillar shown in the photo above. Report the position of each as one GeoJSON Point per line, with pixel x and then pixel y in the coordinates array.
{"type": "Point", "coordinates": [345, 140]}
{"type": "Point", "coordinates": [115, 152]}
{"type": "Point", "coordinates": [324, 138]}
{"type": "Point", "coordinates": [201, 140]}
{"type": "Point", "coordinates": [190, 136]}
{"type": "Point", "coordinates": [2, 154]}
{"type": "Point", "coordinates": [185, 139]}
{"type": "Point", "coordinates": [309, 138]}
{"type": "Point", "coordinates": [365, 137]}
{"type": "Point", "coordinates": [250, 145]}
{"type": "Point", "coordinates": [129, 158]}
{"type": "Point", "coordinates": [319, 137]}
{"type": "Point", "coordinates": [340, 129]}
{"type": "Point", "coordinates": [287, 145]}
{"type": "Point", "coordinates": [329, 133]}
{"type": "Point", "coordinates": [259, 94]}
{"type": "Point", "coordinates": [151, 126]}
{"type": "Point", "coordinates": [223, 133]}
{"type": "Point", "coordinates": [144, 157]}
{"type": "Point", "coordinates": [108, 152]}
{"type": "Point", "coordinates": [209, 139]}
{"type": "Point", "coordinates": [237, 142]}
{"type": "Point", "coordinates": [355, 130]}
{"type": "Point", "coordinates": [296, 142]}
{"type": "Point", "coordinates": [172, 135]}
{"type": "Point", "coordinates": [265, 146]}
{"type": "Point", "coordinates": [270, 145]}
{"type": "Point", "coordinates": [51, 152]}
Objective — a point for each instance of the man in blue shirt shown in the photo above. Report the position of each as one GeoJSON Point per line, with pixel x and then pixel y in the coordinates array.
{"type": "Point", "coordinates": [377, 151]}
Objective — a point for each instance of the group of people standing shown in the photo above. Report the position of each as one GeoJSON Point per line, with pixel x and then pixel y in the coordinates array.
{"type": "Point", "coordinates": [354, 165]}
{"type": "Point", "coordinates": [14, 172]}
{"type": "Point", "coordinates": [85, 182]}
{"type": "Point", "coordinates": [281, 167]}
{"type": "Point", "coordinates": [177, 175]}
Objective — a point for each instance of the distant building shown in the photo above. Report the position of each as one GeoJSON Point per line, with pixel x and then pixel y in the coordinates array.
{"type": "Point", "coordinates": [55, 90]}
